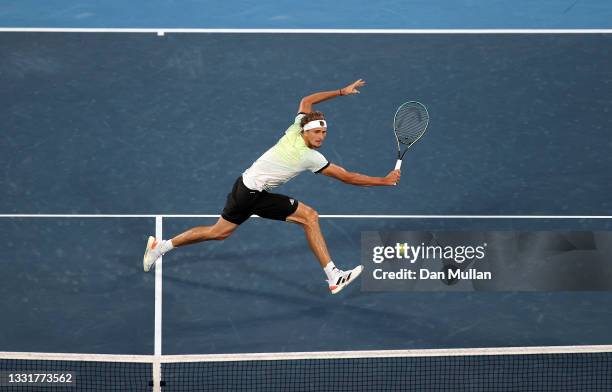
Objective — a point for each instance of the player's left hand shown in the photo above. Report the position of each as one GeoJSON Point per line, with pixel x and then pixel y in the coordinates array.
{"type": "Point", "coordinates": [352, 88]}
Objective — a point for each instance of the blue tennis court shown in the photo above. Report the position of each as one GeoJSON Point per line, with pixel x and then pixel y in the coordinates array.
{"type": "Point", "coordinates": [113, 135]}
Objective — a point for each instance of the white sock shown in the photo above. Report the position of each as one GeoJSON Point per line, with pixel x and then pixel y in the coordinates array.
{"type": "Point", "coordinates": [166, 246]}
{"type": "Point", "coordinates": [330, 270]}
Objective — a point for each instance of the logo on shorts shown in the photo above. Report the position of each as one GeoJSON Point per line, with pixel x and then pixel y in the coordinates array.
{"type": "Point", "coordinates": [292, 201]}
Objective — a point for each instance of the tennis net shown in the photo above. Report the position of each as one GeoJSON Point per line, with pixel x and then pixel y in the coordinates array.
{"type": "Point", "coordinates": [569, 368]}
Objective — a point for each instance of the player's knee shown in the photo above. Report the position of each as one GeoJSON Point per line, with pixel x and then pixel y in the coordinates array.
{"type": "Point", "coordinates": [312, 216]}
{"type": "Point", "coordinates": [221, 235]}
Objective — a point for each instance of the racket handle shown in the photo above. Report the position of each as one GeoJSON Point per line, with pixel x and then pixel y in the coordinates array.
{"type": "Point", "coordinates": [398, 164]}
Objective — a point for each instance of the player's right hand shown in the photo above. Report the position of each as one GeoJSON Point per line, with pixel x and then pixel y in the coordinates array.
{"type": "Point", "coordinates": [393, 177]}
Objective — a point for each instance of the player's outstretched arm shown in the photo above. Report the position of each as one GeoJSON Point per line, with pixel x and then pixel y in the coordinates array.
{"type": "Point", "coordinates": [347, 177]}
{"type": "Point", "coordinates": [307, 102]}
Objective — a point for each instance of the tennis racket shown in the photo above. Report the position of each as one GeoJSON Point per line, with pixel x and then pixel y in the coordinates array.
{"type": "Point", "coordinates": [409, 124]}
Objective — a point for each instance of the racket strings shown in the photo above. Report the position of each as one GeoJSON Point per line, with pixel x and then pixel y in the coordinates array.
{"type": "Point", "coordinates": [410, 122]}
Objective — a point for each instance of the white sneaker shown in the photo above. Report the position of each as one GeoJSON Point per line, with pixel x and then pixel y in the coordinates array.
{"type": "Point", "coordinates": [152, 253]}
{"type": "Point", "coordinates": [343, 278]}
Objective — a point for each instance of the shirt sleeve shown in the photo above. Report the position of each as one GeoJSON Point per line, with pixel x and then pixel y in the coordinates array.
{"type": "Point", "coordinates": [295, 127]}
{"type": "Point", "coordinates": [315, 161]}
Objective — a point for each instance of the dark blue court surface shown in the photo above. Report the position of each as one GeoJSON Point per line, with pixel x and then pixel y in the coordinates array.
{"type": "Point", "coordinates": [70, 285]}
{"type": "Point", "coordinates": [140, 124]}
{"type": "Point", "coordinates": [132, 123]}
{"type": "Point", "coordinates": [77, 284]}
{"type": "Point", "coordinates": [268, 293]}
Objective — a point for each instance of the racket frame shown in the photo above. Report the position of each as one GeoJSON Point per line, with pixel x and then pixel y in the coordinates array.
{"type": "Point", "coordinates": [400, 155]}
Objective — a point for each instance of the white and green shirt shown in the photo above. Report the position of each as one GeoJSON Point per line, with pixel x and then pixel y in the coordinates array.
{"type": "Point", "coordinates": [285, 160]}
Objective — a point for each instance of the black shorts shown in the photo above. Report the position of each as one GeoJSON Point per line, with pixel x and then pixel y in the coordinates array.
{"type": "Point", "coordinates": [243, 202]}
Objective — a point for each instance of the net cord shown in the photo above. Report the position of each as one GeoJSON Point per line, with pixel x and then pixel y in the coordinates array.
{"type": "Point", "coordinates": [535, 350]}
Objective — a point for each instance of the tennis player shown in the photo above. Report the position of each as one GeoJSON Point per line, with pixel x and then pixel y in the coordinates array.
{"type": "Point", "coordinates": [294, 153]}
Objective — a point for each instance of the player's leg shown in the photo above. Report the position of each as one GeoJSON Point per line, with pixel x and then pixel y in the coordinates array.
{"type": "Point", "coordinates": [156, 248]}
{"type": "Point", "coordinates": [219, 231]}
{"type": "Point", "coordinates": [308, 218]}
{"type": "Point", "coordinates": [280, 207]}
{"type": "Point", "coordinates": [235, 212]}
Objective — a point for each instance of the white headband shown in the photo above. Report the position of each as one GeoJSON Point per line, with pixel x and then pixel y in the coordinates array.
{"type": "Point", "coordinates": [315, 124]}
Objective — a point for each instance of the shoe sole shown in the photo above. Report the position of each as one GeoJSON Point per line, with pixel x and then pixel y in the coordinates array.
{"type": "Point", "coordinates": [354, 275]}
{"type": "Point", "coordinates": [144, 259]}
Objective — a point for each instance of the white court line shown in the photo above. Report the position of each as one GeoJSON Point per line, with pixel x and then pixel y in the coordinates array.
{"type": "Point", "coordinates": [350, 216]}
{"type": "Point", "coordinates": [301, 31]}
